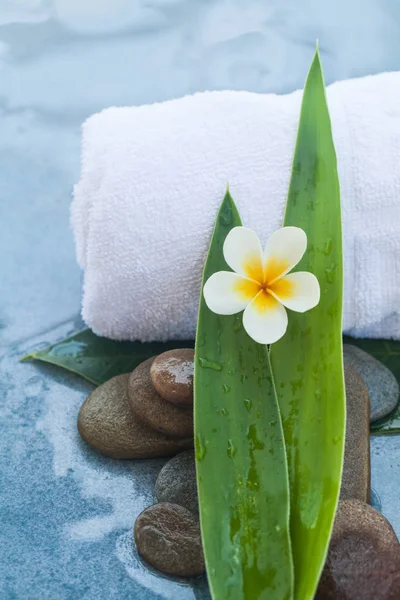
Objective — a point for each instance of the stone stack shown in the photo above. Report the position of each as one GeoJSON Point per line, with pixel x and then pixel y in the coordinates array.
{"type": "Point", "coordinates": [128, 417]}
{"type": "Point", "coordinates": [144, 414]}
{"type": "Point", "coordinates": [149, 413]}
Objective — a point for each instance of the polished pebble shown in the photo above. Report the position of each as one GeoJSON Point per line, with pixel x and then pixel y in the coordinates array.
{"type": "Point", "coordinates": [172, 375]}
{"type": "Point", "coordinates": [155, 412]}
{"type": "Point", "coordinates": [363, 561]}
{"type": "Point", "coordinates": [168, 537]}
{"type": "Point", "coordinates": [176, 482]}
{"type": "Point", "coordinates": [106, 423]}
{"type": "Point", "coordinates": [356, 478]}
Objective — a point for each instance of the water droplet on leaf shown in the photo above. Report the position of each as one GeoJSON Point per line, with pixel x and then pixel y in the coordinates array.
{"type": "Point", "coordinates": [226, 216]}
{"type": "Point", "coordinates": [248, 404]}
{"type": "Point", "coordinates": [231, 451]}
{"type": "Point", "coordinates": [210, 364]}
{"type": "Point", "coordinates": [200, 448]}
{"type": "Point", "coordinates": [328, 247]}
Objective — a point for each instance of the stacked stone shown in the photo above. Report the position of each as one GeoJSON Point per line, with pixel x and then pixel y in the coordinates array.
{"type": "Point", "coordinates": [150, 413]}
{"type": "Point", "coordinates": [128, 417]}
{"type": "Point", "coordinates": [167, 534]}
{"type": "Point", "coordinates": [363, 562]}
{"type": "Point", "coordinates": [145, 414]}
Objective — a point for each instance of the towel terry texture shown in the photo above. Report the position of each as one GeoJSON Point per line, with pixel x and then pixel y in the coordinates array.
{"type": "Point", "coordinates": [153, 177]}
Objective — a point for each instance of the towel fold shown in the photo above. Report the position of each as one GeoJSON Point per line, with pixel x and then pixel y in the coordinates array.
{"type": "Point", "coordinates": [153, 177]}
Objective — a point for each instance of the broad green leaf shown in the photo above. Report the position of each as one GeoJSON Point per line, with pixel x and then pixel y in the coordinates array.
{"type": "Point", "coordinates": [240, 455]}
{"type": "Point", "coordinates": [388, 352]}
{"type": "Point", "coordinates": [98, 359]}
{"type": "Point", "coordinates": [307, 362]}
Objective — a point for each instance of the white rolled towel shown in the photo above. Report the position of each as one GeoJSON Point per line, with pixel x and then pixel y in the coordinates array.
{"type": "Point", "coordinates": [153, 177]}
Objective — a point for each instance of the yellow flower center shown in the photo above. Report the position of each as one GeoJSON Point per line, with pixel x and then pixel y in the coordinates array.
{"type": "Point", "coordinates": [265, 280]}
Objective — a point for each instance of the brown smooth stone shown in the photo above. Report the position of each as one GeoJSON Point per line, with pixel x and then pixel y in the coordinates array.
{"type": "Point", "coordinates": [172, 375]}
{"type": "Point", "coordinates": [168, 537]}
{"type": "Point", "coordinates": [356, 478]}
{"type": "Point", "coordinates": [155, 412]}
{"type": "Point", "coordinates": [106, 423]}
{"type": "Point", "coordinates": [364, 556]}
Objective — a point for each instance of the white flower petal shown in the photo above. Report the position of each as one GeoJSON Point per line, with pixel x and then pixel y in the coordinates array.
{"type": "Point", "coordinates": [297, 291]}
{"type": "Point", "coordinates": [243, 253]}
{"type": "Point", "coordinates": [227, 293]}
{"type": "Point", "coordinates": [283, 251]}
{"type": "Point", "coordinates": [265, 319]}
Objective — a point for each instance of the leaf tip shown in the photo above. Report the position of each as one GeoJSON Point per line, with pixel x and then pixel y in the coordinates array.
{"type": "Point", "coordinates": [316, 70]}
{"type": "Point", "coordinates": [227, 200]}
{"type": "Point", "coordinates": [228, 197]}
{"type": "Point", "coordinates": [27, 357]}
{"type": "Point", "coordinates": [317, 57]}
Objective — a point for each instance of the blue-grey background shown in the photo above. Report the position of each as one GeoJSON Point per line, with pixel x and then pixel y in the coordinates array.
{"type": "Point", "coordinates": [66, 514]}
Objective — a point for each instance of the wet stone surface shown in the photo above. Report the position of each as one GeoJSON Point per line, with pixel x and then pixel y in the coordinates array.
{"type": "Point", "coordinates": [356, 478]}
{"type": "Point", "coordinates": [176, 482]}
{"type": "Point", "coordinates": [364, 556]}
{"type": "Point", "coordinates": [172, 376]}
{"type": "Point", "coordinates": [167, 536]}
{"type": "Point", "coordinates": [154, 411]}
{"type": "Point", "coordinates": [106, 423]}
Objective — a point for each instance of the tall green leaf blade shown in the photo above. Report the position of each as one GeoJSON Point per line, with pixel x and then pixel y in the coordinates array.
{"type": "Point", "coordinates": [307, 362]}
{"type": "Point", "coordinates": [240, 455]}
{"type": "Point", "coordinates": [98, 359]}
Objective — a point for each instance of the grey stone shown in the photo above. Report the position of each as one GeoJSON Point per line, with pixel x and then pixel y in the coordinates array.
{"type": "Point", "coordinates": [381, 384]}
{"type": "Point", "coordinates": [356, 478]}
{"type": "Point", "coordinates": [106, 423]}
{"type": "Point", "coordinates": [176, 482]}
{"type": "Point", "coordinates": [363, 561]}
{"type": "Point", "coordinates": [155, 412]}
{"type": "Point", "coordinates": [168, 537]}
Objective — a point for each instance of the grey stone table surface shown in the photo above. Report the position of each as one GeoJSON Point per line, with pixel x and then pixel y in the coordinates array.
{"type": "Point", "coordinates": [66, 514]}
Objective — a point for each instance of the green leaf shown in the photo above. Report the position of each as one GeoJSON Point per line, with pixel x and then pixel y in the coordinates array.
{"type": "Point", "coordinates": [241, 462]}
{"type": "Point", "coordinates": [97, 358]}
{"type": "Point", "coordinates": [388, 352]}
{"type": "Point", "coordinates": [307, 361]}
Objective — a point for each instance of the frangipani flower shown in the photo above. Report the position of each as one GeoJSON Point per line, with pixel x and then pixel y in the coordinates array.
{"type": "Point", "coordinates": [261, 284]}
